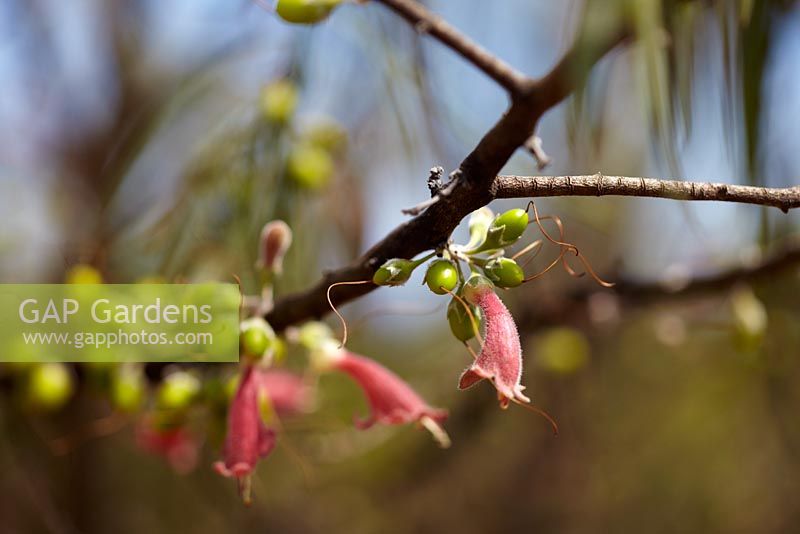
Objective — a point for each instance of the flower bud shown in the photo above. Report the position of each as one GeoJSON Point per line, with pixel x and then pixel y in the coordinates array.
{"type": "Point", "coordinates": [504, 272]}
{"type": "Point", "coordinates": [513, 222]}
{"type": "Point", "coordinates": [49, 386]}
{"type": "Point", "coordinates": [83, 274]}
{"type": "Point", "coordinates": [178, 390]}
{"type": "Point", "coordinates": [562, 350]}
{"type": "Point", "coordinates": [278, 101]}
{"type": "Point", "coordinates": [442, 276]}
{"type": "Point", "coordinates": [505, 230]}
{"type": "Point", "coordinates": [461, 324]}
{"type": "Point", "coordinates": [309, 166]}
{"type": "Point", "coordinates": [127, 388]}
{"type": "Point", "coordinates": [313, 334]}
{"type": "Point", "coordinates": [257, 339]}
{"type": "Point", "coordinates": [479, 223]}
{"type": "Point", "coordinates": [749, 319]}
{"type": "Point", "coordinates": [305, 11]}
{"type": "Point", "coordinates": [394, 272]}
{"type": "Point", "coordinates": [276, 238]}
{"type": "Point", "coordinates": [326, 134]}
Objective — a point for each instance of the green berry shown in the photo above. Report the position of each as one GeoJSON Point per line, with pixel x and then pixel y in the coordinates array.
{"type": "Point", "coordinates": [309, 166]}
{"type": "Point", "coordinates": [127, 388]}
{"type": "Point", "coordinates": [178, 391]}
{"type": "Point", "coordinates": [504, 272]}
{"type": "Point", "coordinates": [460, 322]}
{"type": "Point", "coordinates": [50, 385]}
{"type": "Point", "coordinates": [513, 223]}
{"type": "Point", "coordinates": [305, 11]}
{"type": "Point", "coordinates": [504, 230]}
{"type": "Point", "coordinates": [562, 350]}
{"type": "Point", "coordinates": [442, 276]}
{"type": "Point", "coordinates": [394, 272]}
{"type": "Point", "coordinates": [254, 342]}
{"type": "Point", "coordinates": [84, 274]}
{"type": "Point", "coordinates": [313, 334]}
{"type": "Point", "coordinates": [278, 101]}
{"type": "Point", "coordinates": [326, 134]}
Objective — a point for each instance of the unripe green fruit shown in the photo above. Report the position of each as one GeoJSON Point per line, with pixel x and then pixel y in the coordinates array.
{"type": "Point", "coordinates": [394, 272]}
{"type": "Point", "coordinates": [460, 322]}
{"type": "Point", "coordinates": [327, 134]}
{"type": "Point", "coordinates": [178, 391]}
{"type": "Point", "coordinates": [84, 274]}
{"type": "Point", "coordinates": [309, 166]}
{"type": "Point", "coordinates": [313, 334]}
{"type": "Point", "coordinates": [127, 388]}
{"type": "Point", "coordinates": [442, 276]}
{"type": "Point", "coordinates": [279, 350]}
{"type": "Point", "coordinates": [504, 272]}
{"type": "Point", "coordinates": [562, 350]}
{"type": "Point", "coordinates": [49, 386]}
{"type": "Point", "coordinates": [254, 341]}
{"type": "Point", "coordinates": [305, 11]}
{"type": "Point", "coordinates": [513, 222]}
{"type": "Point", "coordinates": [278, 101]}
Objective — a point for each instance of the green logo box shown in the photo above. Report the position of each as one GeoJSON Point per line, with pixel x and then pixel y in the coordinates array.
{"type": "Point", "coordinates": [119, 322]}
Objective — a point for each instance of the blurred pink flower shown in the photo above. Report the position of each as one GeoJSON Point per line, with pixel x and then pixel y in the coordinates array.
{"type": "Point", "coordinates": [391, 400]}
{"type": "Point", "coordinates": [288, 393]}
{"type": "Point", "coordinates": [248, 438]}
{"type": "Point", "coordinates": [175, 443]}
{"type": "Point", "coordinates": [500, 360]}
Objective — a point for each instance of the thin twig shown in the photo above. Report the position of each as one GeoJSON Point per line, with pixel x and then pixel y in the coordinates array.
{"type": "Point", "coordinates": [427, 22]}
{"type": "Point", "coordinates": [598, 185]}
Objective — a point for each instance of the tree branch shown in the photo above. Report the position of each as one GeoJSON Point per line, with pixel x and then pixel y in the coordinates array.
{"type": "Point", "coordinates": [573, 307]}
{"type": "Point", "coordinates": [473, 180]}
{"type": "Point", "coordinates": [427, 22]}
{"type": "Point", "coordinates": [598, 185]}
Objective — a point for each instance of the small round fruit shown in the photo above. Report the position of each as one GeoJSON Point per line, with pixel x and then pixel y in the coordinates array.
{"type": "Point", "coordinates": [394, 272]}
{"type": "Point", "coordinates": [254, 342]}
{"type": "Point", "coordinates": [309, 167]}
{"type": "Point", "coordinates": [84, 274]}
{"type": "Point", "coordinates": [327, 134]}
{"type": "Point", "coordinates": [127, 388]}
{"type": "Point", "coordinates": [178, 391]}
{"type": "Point", "coordinates": [504, 272]}
{"type": "Point", "coordinates": [461, 324]}
{"type": "Point", "coordinates": [514, 222]}
{"type": "Point", "coordinates": [278, 101]}
{"type": "Point", "coordinates": [562, 350]}
{"type": "Point", "coordinates": [50, 385]}
{"type": "Point", "coordinates": [442, 276]}
{"type": "Point", "coordinates": [305, 11]}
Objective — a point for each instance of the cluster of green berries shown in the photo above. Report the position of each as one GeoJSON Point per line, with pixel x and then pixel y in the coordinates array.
{"type": "Point", "coordinates": [310, 163]}
{"type": "Point", "coordinates": [484, 255]}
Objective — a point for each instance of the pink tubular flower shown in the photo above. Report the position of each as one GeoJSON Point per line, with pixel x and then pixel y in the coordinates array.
{"type": "Point", "coordinates": [288, 393]}
{"type": "Point", "coordinates": [500, 360]}
{"type": "Point", "coordinates": [248, 439]}
{"type": "Point", "coordinates": [391, 400]}
{"type": "Point", "coordinates": [175, 443]}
